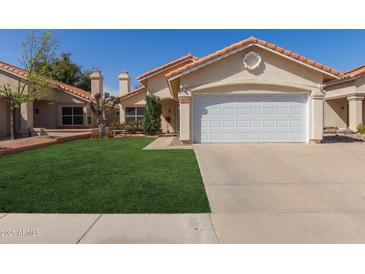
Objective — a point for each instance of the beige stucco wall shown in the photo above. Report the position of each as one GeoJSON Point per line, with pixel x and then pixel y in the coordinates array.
{"type": "Point", "coordinates": [335, 113]}
{"type": "Point", "coordinates": [3, 117]}
{"type": "Point", "coordinates": [341, 90]}
{"type": "Point", "coordinates": [275, 75]}
{"type": "Point", "coordinates": [169, 109]}
{"type": "Point", "coordinates": [11, 80]}
{"type": "Point", "coordinates": [157, 85]}
{"type": "Point", "coordinates": [46, 116]}
{"type": "Point", "coordinates": [49, 110]}
{"type": "Point", "coordinates": [339, 95]}
{"type": "Point", "coordinates": [8, 78]}
{"type": "Point", "coordinates": [273, 69]}
{"type": "Point", "coordinates": [134, 101]}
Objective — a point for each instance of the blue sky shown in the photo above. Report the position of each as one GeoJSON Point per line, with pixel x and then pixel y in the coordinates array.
{"type": "Point", "coordinates": [137, 51]}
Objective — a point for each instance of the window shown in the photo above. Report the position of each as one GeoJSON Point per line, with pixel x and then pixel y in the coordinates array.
{"type": "Point", "coordinates": [134, 114]}
{"type": "Point", "coordinates": [72, 116]}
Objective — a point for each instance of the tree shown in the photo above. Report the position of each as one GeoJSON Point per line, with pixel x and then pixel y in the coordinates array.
{"type": "Point", "coordinates": [100, 106]}
{"type": "Point", "coordinates": [85, 82]}
{"type": "Point", "coordinates": [64, 69]}
{"type": "Point", "coordinates": [33, 85]}
{"type": "Point", "coordinates": [152, 115]}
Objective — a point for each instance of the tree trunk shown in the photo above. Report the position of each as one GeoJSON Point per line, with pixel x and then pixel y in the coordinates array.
{"type": "Point", "coordinates": [12, 125]}
{"type": "Point", "coordinates": [101, 130]}
{"type": "Point", "coordinates": [101, 124]}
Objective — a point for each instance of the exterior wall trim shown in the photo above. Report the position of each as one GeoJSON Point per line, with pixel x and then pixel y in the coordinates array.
{"type": "Point", "coordinates": [254, 82]}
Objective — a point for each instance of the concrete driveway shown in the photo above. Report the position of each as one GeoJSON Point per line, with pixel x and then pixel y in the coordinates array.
{"type": "Point", "coordinates": [285, 193]}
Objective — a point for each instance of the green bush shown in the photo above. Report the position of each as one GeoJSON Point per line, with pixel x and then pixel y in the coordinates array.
{"type": "Point", "coordinates": [152, 115]}
{"type": "Point", "coordinates": [361, 129]}
{"type": "Point", "coordinates": [134, 127]}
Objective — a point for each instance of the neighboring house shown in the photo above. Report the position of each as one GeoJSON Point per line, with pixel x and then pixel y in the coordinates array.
{"type": "Point", "coordinates": [344, 106]}
{"type": "Point", "coordinates": [66, 106]}
{"type": "Point", "coordinates": [251, 91]}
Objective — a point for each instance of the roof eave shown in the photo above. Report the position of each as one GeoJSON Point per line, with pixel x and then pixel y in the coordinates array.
{"type": "Point", "coordinates": [187, 58]}
{"type": "Point", "coordinates": [245, 47]}
{"type": "Point", "coordinates": [131, 94]}
{"type": "Point", "coordinates": [59, 89]}
{"type": "Point", "coordinates": [341, 81]}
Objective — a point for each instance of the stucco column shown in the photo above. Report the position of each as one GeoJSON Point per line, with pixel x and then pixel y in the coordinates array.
{"type": "Point", "coordinates": [26, 118]}
{"type": "Point", "coordinates": [316, 118]}
{"type": "Point", "coordinates": [122, 114]}
{"type": "Point", "coordinates": [185, 119]}
{"type": "Point", "coordinates": [355, 112]}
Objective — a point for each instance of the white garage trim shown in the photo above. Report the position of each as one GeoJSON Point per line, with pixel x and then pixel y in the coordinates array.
{"type": "Point", "coordinates": [262, 118]}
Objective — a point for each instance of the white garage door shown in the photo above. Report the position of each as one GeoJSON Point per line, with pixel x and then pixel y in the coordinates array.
{"type": "Point", "coordinates": [276, 118]}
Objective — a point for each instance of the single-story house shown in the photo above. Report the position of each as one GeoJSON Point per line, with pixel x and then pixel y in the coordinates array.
{"type": "Point", "coordinates": [251, 91]}
{"type": "Point", "coordinates": [64, 107]}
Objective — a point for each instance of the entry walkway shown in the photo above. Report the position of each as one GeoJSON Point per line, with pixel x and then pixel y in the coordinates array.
{"type": "Point", "coordinates": [168, 142]}
{"type": "Point", "coordinates": [23, 144]}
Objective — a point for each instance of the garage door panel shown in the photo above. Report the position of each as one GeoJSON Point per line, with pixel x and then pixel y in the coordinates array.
{"type": "Point", "coordinates": [269, 136]}
{"type": "Point", "coordinates": [242, 123]}
{"type": "Point", "coordinates": [228, 124]}
{"type": "Point", "coordinates": [268, 123]}
{"type": "Point", "coordinates": [283, 123]}
{"type": "Point", "coordinates": [215, 124]}
{"type": "Point", "coordinates": [228, 136]}
{"type": "Point", "coordinates": [249, 118]}
{"type": "Point", "coordinates": [228, 111]}
{"type": "Point", "coordinates": [241, 111]}
{"type": "Point", "coordinates": [215, 136]}
{"type": "Point", "coordinates": [242, 136]}
{"type": "Point", "coordinates": [269, 111]}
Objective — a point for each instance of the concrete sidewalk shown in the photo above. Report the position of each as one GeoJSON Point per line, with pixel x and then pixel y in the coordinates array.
{"type": "Point", "coordinates": [106, 228]}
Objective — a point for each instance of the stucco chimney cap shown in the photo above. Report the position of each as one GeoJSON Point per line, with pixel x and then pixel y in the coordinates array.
{"type": "Point", "coordinates": [96, 74]}
{"type": "Point", "coordinates": [123, 75]}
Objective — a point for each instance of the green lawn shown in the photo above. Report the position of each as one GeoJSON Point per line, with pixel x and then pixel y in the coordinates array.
{"type": "Point", "coordinates": [102, 176]}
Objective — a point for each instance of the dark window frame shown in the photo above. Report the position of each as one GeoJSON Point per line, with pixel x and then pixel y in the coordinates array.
{"type": "Point", "coordinates": [73, 116]}
{"type": "Point", "coordinates": [135, 116]}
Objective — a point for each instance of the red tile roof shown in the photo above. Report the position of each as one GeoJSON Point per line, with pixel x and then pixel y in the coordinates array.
{"type": "Point", "coordinates": [56, 84]}
{"type": "Point", "coordinates": [185, 59]}
{"type": "Point", "coordinates": [348, 76]}
{"type": "Point", "coordinates": [253, 40]}
{"type": "Point", "coordinates": [356, 71]}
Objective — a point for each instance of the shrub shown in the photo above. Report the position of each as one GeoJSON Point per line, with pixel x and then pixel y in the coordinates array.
{"type": "Point", "coordinates": [134, 127]}
{"type": "Point", "coordinates": [130, 127]}
{"type": "Point", "coordinates": [152, 115]}
{"type": "Point", "coordinates": [361, 129]}
{"type": "Point", "coordinates": [114, 125]}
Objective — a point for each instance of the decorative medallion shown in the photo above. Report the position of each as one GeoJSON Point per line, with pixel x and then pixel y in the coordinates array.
{"type": "Point", "coordinates": [251, 60]}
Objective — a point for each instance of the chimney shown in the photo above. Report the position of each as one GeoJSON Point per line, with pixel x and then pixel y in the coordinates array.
{"type": "Point", "coordinates": [124, 83]}
{"type": "Point", "coordinates": [96, 83]}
